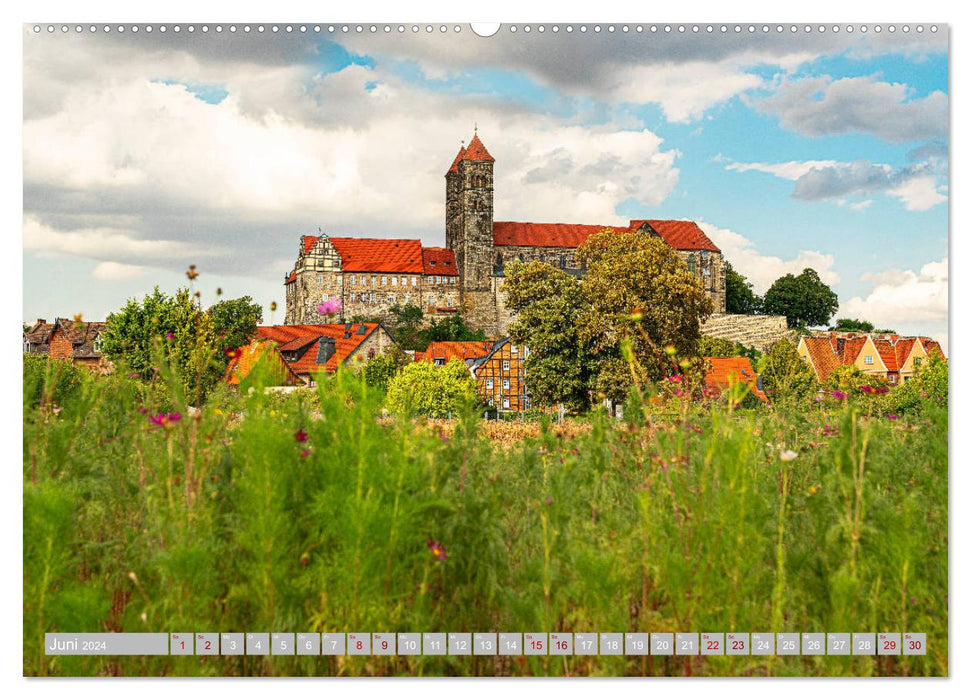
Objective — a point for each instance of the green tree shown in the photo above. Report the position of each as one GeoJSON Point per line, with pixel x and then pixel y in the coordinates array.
{"type": "Point", "coordinates": [422, 388]}
{"type": "Point", "coordinates": [852, 324]}
{"type": "Point", "coordinates": [550, 305]}
{"type": "Point", "coordinates": [168, 329]}
{"type": "Point", "coordinates": [450, 328]}
{"type": "Point", "coordinates": [740, 297]}
{"type": "Point", "coordinates": [235, 321]}
{"type": "Point", "coordinates": [804, 299]}
{"type": "Point", "coordinates": [638, 290]}
{"type": "Point", "coordinates": [380, 369]}
{"type": "Point", "coordinates": [785, 376]}
{"type": "Point", "coordinates": [406, 324]}
{"type": "Point", "coordinates": [718, 347]}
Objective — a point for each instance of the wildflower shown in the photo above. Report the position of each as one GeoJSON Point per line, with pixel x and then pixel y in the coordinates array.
{"type": "Point", "coordinates": [866, 389]}
{"type": "Point", "coordinates": [170, 336]}
{"type": "Point", "coordinates": [304, 453]}
{"type": "Point", "coordinates": [788, 455]}
{"type": "Point", "coordinates": [549, 500]}
{"type": "Point", "coordinates": [173, 417]}
{"type": "Point", "coordinates": [133, 577]}
{"type": "Point", "coordinates": [154, 369]}
{"type": "Point", "coordinates": [133, 375]}
{"type": "Point", "coordinates": [157, 419]}
{"type": "Point", "coordinates": [839, 395]}
{"type": "Point", "coordinates": [56, 410]}
{"type": "Point", "coordinates": [144, 616]}
{"type": "Point", "coordinates": [437, 549]}
{"type": "Point", "coordinates": [814, 489]}
{"type": "Point", "coordinates": [670, 350]}
{"type": "Point", "coordinates": [679, 393]}
{"type": "Point", "coordinates": [636, 315]}
{"type": "Point", "coordinates": [191, 273]}
{"type": "Point", "coordinates": [574, 451]}
{"type": "Point", "coordinates": [542, 450]}
{"type": "Point", "coordinates": [300, 435]}
{"type": "Point", "coordinates": [272, 306]}
{"type": "Point", "coordinates": [233, 353]}
{"type": "Point", "coordinates": [685, 364]}
{"type": "Point", "coordinates": [330, 307]}
{"type": "Point", "coordinates": [142, 409]}
{"type": "Point", "coordinates": [881, 390]}
{"type": "Point", "coordinates": [892, 416]}
{"type": "Point", "coordinates": [675, 378]}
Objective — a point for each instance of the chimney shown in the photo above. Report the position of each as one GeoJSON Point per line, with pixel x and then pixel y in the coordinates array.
{"type": "Point", "coordinates": [326, 351]}
{"type": "Point", "coordinates": [42, 320]}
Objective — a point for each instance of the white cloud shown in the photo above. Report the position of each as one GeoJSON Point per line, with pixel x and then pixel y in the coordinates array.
{"type": "Point", "coordinates": [116, 271]}
{"type": "Point", "coordinates": [762, 270]}
{"type": "Point", "coordinates": [95, 243]}
{"type": "Point", "coordinates": [790, 170]}
{"type": "Point", "coordinates": [919, 193]}
{"type": "Point", "coordinates": [902, 297]}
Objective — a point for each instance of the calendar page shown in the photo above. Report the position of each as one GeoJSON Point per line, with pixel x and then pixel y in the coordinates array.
{"type": "Point", "coordinates": [521, 349]}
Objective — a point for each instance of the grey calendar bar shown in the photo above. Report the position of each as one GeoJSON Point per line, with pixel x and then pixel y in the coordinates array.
{"type": "Point", "coordinates": [107, 644]}
{"type": "Point", "coordinates": [486, 644]}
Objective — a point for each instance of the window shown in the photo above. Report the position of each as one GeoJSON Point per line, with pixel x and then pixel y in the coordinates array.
{"type": "Point", "coordinates": [439, 361]}
{"type": "Point", "coordinates": [414, 281]}
{"type": "Point", "coordinates": [917, 361]}
{"type": "Point", "coordinates": [505, 365]}
{"type": "Point", "coordinates": [492, 402]}
{"type": "Point", "coordinates": [325, 297]}
{"type": "Point", "coordinates": [513, 350]}
{"type": "Point", "coordinates": [868, 360]}
{"type": "Point", "coordinates": [353, 279]}
{"type": "Point", "coordinates": [505, 403]}
{"type": "Point", "coordinates": [505, 384]}
{"type": "Point", "coordinates": [562, 262]}
{"type": "Point", "coordinates": [404, 281]}
{"type": "Point", "coordinates": [449, 302]}
{"type": "Point", "coordinates": [384, 280]}
{"type": "Point", "coordinates": [407, 298]}
{"type": "Point", "coordinates": [431, 300]}
{"type": "Point", "coordinates": [490, 384]}
{"type": "Point", "coordinates": [525, 351]}
{"type": "Point", "coordinates": [394, 281]}
{"type": "Point", "coordinates": [353, 296]}
{"type": "Point", "coordinates": [893, 378]}
{"type": "Point", "coordinates": [692, 267]}
{"type": "Point", "coordinates": [320, 279]}
{"type": "Point", "coordinates": [374, 280]}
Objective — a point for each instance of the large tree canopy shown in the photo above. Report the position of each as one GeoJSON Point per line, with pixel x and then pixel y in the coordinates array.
{"type": "Point", "coordinates": [804, 299]}
{"type": "Point", "coordinates": [236, 320]}
{"type": "Point", "coordinates": [740, 298]}
{"type": "Point", "coordinates": [636, 292]}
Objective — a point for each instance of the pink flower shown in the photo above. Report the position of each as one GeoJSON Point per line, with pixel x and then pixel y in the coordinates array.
{"type": "Point", "coordinates": [157, 419]}
{"type": "Point", "coordinates": [170, 336]}
{"type": "Point", "coordinates": [678, 393]}
{"type": "Point", "coordinates": [300, 435]}
{"type": "Point", "coordinates": [437, 549]}
{"type": "Point", "coordinates": [172, 417]}
{"type": "Point", "coordinates": [676, 378]}
{"type": "Point", "coordinates": [304, 453]}
{"type": "Point", "coordinates": [866, 389]}
{"type": "Point", "coordinates": [881, 390]}
{"type": "Point", "coordinates": [331, 307]}
{"type": "Point", "coordinates": [892, 416]}
{"type": "Point", "coordinates": [133, 375]}
{"type": "Point", "coordinates": [549, 500]}
{"type": "Point", "coordinates": [839, 395]}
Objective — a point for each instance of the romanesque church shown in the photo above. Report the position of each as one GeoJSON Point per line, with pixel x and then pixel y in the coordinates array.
{"type": "Point", "coordinates": [371, 275]}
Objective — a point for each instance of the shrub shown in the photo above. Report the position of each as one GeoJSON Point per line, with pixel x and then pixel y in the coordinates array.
{"type": "Point", "coordinates": [425, 389]}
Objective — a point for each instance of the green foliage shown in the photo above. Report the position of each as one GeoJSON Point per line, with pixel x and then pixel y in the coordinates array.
{"type": "Point", "coordinates": [406, 326]}
{"type": "Point", "coordinates": [381, 369]}
{"type": "Point", "coordinates": [231, 521]}
{"type": "Point", "coordinates": [411, 332]}
{"type": "Point", "coordinates": [928, 387]}
{"type": "Point", "coordinates": [804, 299]}
{"type": "Point", "coordinates": [166, 331]}
{"type": "Point", "coordinates": [786, 378]}
{"type": "Point", "coordinates": [235, 321]}
{"type": "Point", "coordinates": [718, 347]}
{"type": "Point", "coordinates": [852, 325]}
{"type": "Point", "coordinates": [49, 382]}
{"type": "Point", "coordinates": [424, 389]}
{"type": "Point", "coordinates": [740, 298]}
{"type": "Point", "coordinates": [550, 305]}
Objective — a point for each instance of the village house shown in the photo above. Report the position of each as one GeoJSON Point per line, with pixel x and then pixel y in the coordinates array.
{"type": "Point", "coordinates": [888, 356]}
{"type": "Point", "coordinates": [500, 376]}
{"type": "Point", "coordinates": [66, 339]}
{"type": "Point", "coordinates": [442, 352]}
{"type": "Point", "coordinates": [371, 275]}
{"type": "Point", "coordinates": [308, 350]}
{"type": "Point", "coordinates": [724, 372]}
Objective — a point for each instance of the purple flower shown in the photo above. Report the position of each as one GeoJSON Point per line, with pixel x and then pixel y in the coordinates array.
{"type": "Point", "coordinates": [839, 395]}
{"type": "Point", "coordinates": [300, 435]}
{"type": "Point", "coordinates": [157, 419]}
{"type": "Point", "coordinates": [331, 307]}
{"type": "Point", "coordinates": [172, 417]}
{"type": "Point", "coordinates": [304, 453]}
{"type": "Point", "coordinates": [866, 389]}
{"type": "Point", "coordinates": [133, 375]}
{"type": "Point", "coordinates": [437, 549]}
{"type": "Point", "coordinates": [170, 336]}
{"type": "Point", "coordinates": [892, 416]}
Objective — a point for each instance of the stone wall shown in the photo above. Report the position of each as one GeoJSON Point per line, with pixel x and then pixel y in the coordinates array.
{"type": "Point", "coordinates": [752, 331]}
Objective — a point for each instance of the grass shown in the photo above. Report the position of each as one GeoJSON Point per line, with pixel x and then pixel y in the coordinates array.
{"type": "Point", "coordinates": [224, 521]}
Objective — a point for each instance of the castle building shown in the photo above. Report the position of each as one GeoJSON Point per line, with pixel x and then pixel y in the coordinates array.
{"type": "Point", "coordinates": [371, 275]}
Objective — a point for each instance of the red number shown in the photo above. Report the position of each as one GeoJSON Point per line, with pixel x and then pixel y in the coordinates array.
{"type": "Point", "coordinates": [738, 644]}
{"type": "Point", "coordinates": [537, 644]}
{"type": "Point", "coordinates": [561, 645]}
{"type": "Point", "coordinates": [712, 645]}
{"type": "Point", "coordinates": [208, 645]}
{"type": "Point", "coordinates": [360, 645]}
{"type": "Point", "coordinates": [384, 645]}
{"type": "Point", "coordinates": [891, 645]}
{"type": "Point", "coordinates": [182, 644]}
{"type": "Point", "coordinates": [914, 645]}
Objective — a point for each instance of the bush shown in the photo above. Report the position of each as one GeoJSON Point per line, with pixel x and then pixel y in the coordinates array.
{"type": "Point", "coordinates": [425, 389]}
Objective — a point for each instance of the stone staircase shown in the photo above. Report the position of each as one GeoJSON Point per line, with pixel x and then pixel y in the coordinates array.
{"type": "Point", "coordinates": [751, 331]}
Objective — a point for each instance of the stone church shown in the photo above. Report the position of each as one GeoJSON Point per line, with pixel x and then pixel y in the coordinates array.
{"type": "Point", "coordinates": [371, 275]}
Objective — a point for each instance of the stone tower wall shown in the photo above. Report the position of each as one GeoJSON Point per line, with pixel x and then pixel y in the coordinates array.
{"type": "Point", "coordinates": [474, 254]}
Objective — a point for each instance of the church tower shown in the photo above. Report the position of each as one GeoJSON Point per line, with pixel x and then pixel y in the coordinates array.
{"type": "Point", "coordinates": [468, 229]}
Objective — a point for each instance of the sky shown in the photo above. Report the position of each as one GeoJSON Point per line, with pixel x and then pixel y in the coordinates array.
{"type": "Point", "coordinates": [145, 152]}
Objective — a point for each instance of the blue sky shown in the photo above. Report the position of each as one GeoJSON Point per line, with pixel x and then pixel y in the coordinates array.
{"type": "Point", "coordinates": [143, 154]}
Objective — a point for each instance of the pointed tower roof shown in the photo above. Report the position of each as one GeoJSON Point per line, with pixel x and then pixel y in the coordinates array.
{"type": "Point", "coordinates": [477, 151]}
{"type": "Point", "coordinates": [458, 158]}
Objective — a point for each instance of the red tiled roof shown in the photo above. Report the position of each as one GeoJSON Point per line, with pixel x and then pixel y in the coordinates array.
{"type": "Point", "coordinates": [848, 349]}
{"type": "Point", "coordinates": [723, 372]}
{"type": "Point", "coordinates": [298, 336]}
{"type": "Point", "coordinates": [308, 243]}
{"type": "Point", "coordinates": [821, 355]}
{"type": "Point", "coordinates": [446, 350]}
{"type": "Point", "coordinates": [379, 254]}
{"type": "Point", "coordinates": [887, 353]}
{"type": "Point", "coordinates": [932, 347]}
{"type": "Point", "coordinates": [438, 261]}
{"type": "Point", "coordinates": [291, 277]}
{"type": "Point", "coordinates": [477, 151]}
{"type": "Point", "coordinates": [458, 159]}
{"type": "Point", "coordinates": [902, 349]}
{"type": "Point", "coordinates": [239, 367]}
{"type": "Point", "coordinates": [680, 235]}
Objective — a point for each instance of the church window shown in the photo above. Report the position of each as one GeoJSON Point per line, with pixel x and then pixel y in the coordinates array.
{"type": "Point", "coordinates": [384, 280]}
{"type": "Point", "coordinates": [691, 263]}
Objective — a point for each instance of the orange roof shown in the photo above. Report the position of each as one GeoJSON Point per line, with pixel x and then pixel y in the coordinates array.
{"type": "Point", "coordinates": [446, 350]}
{"type": "Point", "coordinates": [887, 353]}
{"type": "Point", "coordinates": [932, 347]}
{"type": "Point", "coordinates": [821, 355]}
{"type": "Point", "coordinates": [438, 261]}
{"type": "Point", "coordinates": [680, 235]}
{"type": "Point", "coordinates": [848, 349]}
{"type": "Point", "coordinates": [379, 254]}
{"type": "Point", "coordinates": [239, 367]}
{"type": "Point", "coordinates": [458, 158]}
{"type": "Point", "coordinates": [902, 349]}
{"type": "Point", "coordinates": [308, 243]}
{"type": "Point", "coordinates": [723, 372]}
{"type": "Point", "coordinates": [294, 337]}
{"type": "Point", "coordinates": [291, 277]}
{"type": "Point", "coordinates": [477, 151]}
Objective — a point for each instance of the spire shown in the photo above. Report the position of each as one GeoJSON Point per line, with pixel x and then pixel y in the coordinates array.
{"type": "Point", "coordinates": [458, 159]}
{"type": "Point", "coordinates": [477, 150]}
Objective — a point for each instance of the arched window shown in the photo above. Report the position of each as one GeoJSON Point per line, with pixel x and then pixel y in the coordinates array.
{"type": "Point", "coordinates": [691, 263]}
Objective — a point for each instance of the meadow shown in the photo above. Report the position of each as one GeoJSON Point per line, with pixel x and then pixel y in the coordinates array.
{"type": "Point", "coordinates": [313, 512]}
